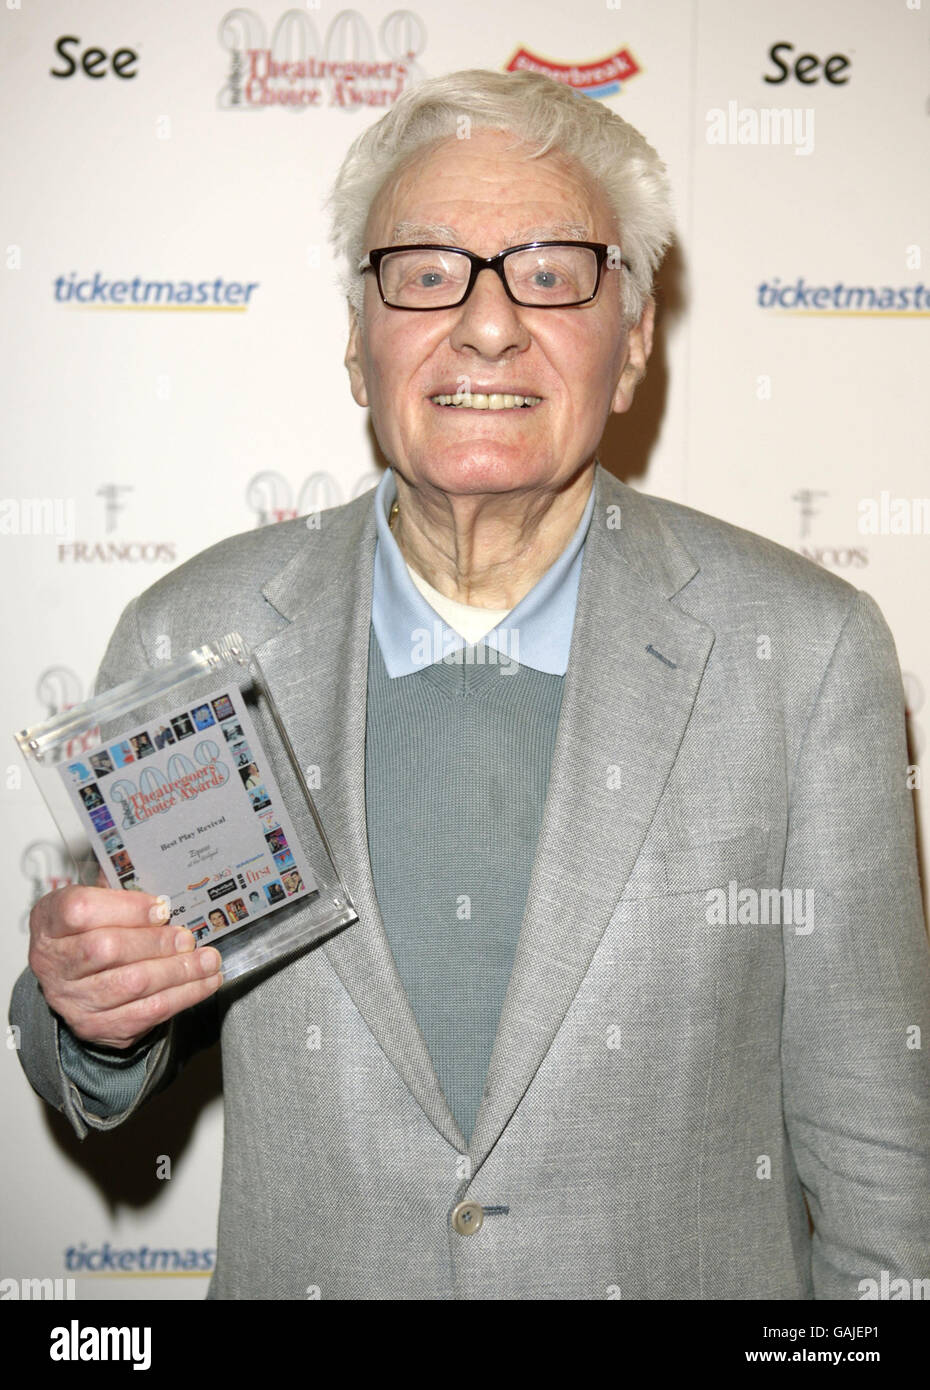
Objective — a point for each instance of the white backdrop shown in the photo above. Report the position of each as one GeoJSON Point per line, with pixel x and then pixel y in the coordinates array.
{"type": "Point", "coordinates": [787, 391]}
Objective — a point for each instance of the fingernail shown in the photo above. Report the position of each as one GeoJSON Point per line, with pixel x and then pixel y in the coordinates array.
{"type": "Point", "coordinates": [184, 940]}
{"type": "Point", "coordinates": [211, 960]}
{"type": "Point", "coordinates": [161, 910]}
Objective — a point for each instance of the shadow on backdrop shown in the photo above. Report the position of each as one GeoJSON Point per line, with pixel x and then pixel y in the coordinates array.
{"type": "Point", "coordinates": [121, 1163]}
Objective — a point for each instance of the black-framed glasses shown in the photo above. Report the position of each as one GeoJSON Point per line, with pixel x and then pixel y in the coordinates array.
{"type": "Point", "coordinates": [536, 275]}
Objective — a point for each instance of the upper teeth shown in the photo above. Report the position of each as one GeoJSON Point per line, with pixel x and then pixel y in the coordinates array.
{"type": "Point", "coordinates": [478, 401]}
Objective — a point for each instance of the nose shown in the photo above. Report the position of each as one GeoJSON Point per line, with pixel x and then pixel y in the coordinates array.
{"type": "Point", "coordinates": [489, 323]}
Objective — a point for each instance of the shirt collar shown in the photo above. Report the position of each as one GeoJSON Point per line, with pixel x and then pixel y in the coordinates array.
{"type": "Point", "coordinates": [411, 634]}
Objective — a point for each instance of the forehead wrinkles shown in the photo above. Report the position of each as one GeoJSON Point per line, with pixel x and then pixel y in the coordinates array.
{"type": "Point", "coordinates": [440, 232]}
{"type": "Point", "coordinates": [461, 185]}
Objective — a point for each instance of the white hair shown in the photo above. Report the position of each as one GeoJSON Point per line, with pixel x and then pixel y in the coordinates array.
{"type": "Point", "coordinates": [546, 115]}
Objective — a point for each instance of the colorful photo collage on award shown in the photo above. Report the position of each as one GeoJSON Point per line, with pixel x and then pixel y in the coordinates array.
{"type": "Point", "coordinates": [124, 753]}
{"type": "Point", "coordinates": [234, 897]}
{"type": "Point", "coordinates": [252, 898]}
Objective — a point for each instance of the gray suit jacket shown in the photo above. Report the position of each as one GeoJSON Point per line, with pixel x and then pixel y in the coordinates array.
{"type": "Point", "coordinates": [665, 1087]}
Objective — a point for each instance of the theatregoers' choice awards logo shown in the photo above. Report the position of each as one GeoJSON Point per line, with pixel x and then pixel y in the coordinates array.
{"type": "Point", "coordinates": [57, 689]}
{"type": "Point", "coordinates": [271, 497]}
{"type": "Point", "coordinates": [602, 78]}
{"type": "Point", "coordinates": [139, 294]}
{"type": "Point", "coordinates": [108, 552]}
{"type": "Point", "coordinates": [45, 867]}
{"type": "Point", "coordinates": [830, 556]}
{"type": "Point", "coordinates": [299, 71]}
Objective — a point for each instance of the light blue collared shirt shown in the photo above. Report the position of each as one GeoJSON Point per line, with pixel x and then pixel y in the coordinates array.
{"type": "Point", "coordinates": [412, 635]}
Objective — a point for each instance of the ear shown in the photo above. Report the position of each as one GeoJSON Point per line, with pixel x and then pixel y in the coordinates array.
{"type": "Point", "coordinates": [353, 360]}
{"type": "Point", "coordinates": [638, 351]}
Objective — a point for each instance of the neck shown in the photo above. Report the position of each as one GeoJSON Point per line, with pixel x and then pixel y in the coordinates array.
{"type": "Point", "coordinates": [487, 549]}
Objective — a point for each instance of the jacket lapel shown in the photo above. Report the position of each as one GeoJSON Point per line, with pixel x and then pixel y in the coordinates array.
{"type": "Point", "coordinates": [317, 669]}
{"type": "Point", "coordinates": [622, 704]}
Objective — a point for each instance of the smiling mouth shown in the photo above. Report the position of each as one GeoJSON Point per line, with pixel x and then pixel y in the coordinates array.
{"type": "Point", "coordinates": [468, 400]}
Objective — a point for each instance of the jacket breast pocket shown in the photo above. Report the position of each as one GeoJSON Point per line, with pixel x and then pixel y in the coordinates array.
{"type": "Point", "coordinates": [675, 949]}
{"type": "Point", "coordinates": [694, 866]}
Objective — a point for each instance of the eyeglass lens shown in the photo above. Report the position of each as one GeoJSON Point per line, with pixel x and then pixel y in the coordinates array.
{"type": "Point", "coordinates": [422, 279]}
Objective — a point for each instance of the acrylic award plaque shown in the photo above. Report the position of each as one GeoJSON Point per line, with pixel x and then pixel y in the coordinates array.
{"type": "Point", "coordinates": [183, 781]}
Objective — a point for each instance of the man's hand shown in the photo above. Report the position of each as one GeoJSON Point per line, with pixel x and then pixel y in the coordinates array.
{"type": "Point", "coordinates": [111, 965]}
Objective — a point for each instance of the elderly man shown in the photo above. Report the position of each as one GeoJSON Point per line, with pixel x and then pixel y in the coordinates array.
{"type": "Point", "coordinates": [619, 792]}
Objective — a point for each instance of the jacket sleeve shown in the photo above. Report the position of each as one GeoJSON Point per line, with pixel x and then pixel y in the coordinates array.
{"type": "Point", "coordinates": [856, 1022]}
{"type": "Point", "coordinates": [59, 1071]}
{"type": "Point", "coordinates": [99, 1088]}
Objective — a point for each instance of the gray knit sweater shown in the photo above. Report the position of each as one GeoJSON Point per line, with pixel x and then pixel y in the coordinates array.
{"type": "Point", "coordinates": [457, 762]}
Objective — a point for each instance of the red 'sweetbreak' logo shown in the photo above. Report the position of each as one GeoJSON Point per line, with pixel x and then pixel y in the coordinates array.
{"type": "Point", "coordinates": [601, 78]}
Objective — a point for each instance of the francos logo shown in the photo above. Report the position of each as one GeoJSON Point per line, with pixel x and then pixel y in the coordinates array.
{"type": "Point", "coordinates": [298, 71]}
{"type": "Point", "coordinates": [108, 552]}
{"type": "Point", "coordinates": [839, 557]}
{"type": "Point", "coordinates": [272, 498]}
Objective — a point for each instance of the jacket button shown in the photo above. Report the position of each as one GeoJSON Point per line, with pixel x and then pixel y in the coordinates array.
{"type": "Point", "coordinates": [467, 1218]}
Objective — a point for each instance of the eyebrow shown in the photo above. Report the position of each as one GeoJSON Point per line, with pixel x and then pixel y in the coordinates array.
{"type": "Point", "coordinates": [435, 231]}
{"type": "Point", "coordinates": [422, 231]}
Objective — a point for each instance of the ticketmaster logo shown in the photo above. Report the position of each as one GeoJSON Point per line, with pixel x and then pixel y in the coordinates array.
{"type": "Point", "coordinates": [104, 1259]}
{"type": "Point", "coordinates": [215, 296]}
{"type": "Point", "coordinates": [798, 297]}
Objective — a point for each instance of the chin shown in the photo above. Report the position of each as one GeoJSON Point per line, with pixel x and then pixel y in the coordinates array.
{"type": "Point", "coordinates": [481, 470]}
